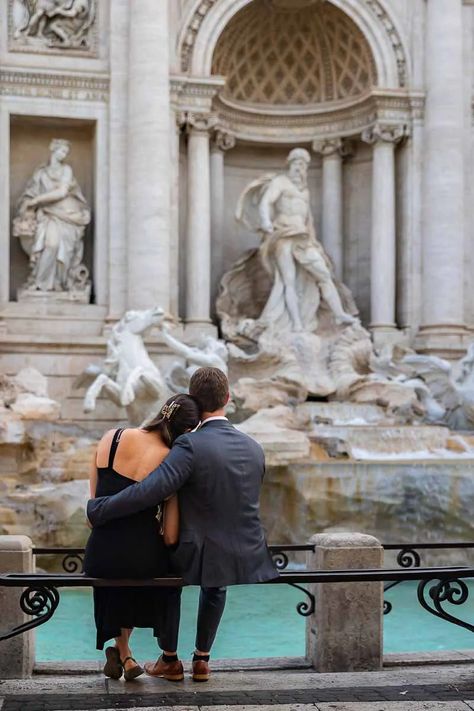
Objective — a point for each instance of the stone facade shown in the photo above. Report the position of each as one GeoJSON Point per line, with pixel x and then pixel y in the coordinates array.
{"type": "Point", "coordinates": [172, 108]}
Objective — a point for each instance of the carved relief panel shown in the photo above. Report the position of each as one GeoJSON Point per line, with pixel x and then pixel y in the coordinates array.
{"type": "Point", "coordinates": [53, 26]}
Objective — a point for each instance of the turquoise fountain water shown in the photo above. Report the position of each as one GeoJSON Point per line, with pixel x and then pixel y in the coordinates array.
{"type": "Point", "coordinates": [258, 622]}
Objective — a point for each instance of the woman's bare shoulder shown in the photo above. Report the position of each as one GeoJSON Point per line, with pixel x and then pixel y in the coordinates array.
{"type": "Point", "coordinates": [103, 448]}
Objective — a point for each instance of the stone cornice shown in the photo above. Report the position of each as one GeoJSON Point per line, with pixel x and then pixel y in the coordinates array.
{"type": "Point", "coordinates": [323, 122]}
{"type": "Point", "coordinates": [192, 93]}
{"type": "Point", "coordinates": [54, 85]}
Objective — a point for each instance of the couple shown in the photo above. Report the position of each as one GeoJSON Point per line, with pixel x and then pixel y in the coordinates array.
{"type": "Point", "coordinates": [205, 485]}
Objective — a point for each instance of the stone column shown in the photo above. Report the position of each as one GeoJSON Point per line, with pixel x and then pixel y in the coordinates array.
{"type": "Point", "coordinates": [222, 141]}
{"type": "Point", "coordinates": [177, 122]}
{"type": "Point", "coordinates": [345, 632]}
{"type": "Point", "coordinates": [148, 248]}
{"type": "Point", "coordinates": [198, 255]}
{"type": "Point", "coordinates": [118, 134]}
{"type": "Point", "coordinates": [332, 151]}
{"type": "Point", "coordinates": [17, 655]}
{"type": "Point", "coordinates": [443, 178]}
{"type": "Point", "coordinates": [383, 228]}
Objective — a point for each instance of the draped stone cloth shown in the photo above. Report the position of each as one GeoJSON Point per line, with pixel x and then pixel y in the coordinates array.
{"type": "Point", "coordinates": [56, 248]}
{"type": "Point", "coordinates": [253, 288]}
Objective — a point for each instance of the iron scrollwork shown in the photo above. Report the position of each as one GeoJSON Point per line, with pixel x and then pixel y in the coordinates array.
{"type": "Point", "coordinates": [406, 558]}
{"type": "Point", "coordinates": [39, 601]}
{"type": "Point", "coordinates": [280, 559]}
{"type": "Point", "coordinates": [305, 608]}
{"type": "Point", "coordinates": [432, 596]}
{"type": "Point", "coordinates": [73, 563]}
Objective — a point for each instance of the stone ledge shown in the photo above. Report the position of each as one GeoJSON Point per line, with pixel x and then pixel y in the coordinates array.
{"type": "Point", "coordinates": [256, 664]}
{"type": "Point", "coordinates": [412, 659]}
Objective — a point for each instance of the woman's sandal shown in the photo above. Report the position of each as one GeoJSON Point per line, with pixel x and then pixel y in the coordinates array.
{"type": "Point", "coordinates": [113, 667]}
{"type": "Point", "coordinates": [131, 674]}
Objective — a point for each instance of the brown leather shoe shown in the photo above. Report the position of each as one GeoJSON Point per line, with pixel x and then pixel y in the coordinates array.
{"type": "Point", "coordinates": [201, 671]}
{"type": "Point", "coordinates": [172, 671]}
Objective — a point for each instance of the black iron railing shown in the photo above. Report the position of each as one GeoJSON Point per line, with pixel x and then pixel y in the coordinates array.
{"type": "Point", "coordinates": [437, 588]}
{"type": "Point", "coordinates": [408, 556]}
{"type": "Point", "coordinates": [408, 553]}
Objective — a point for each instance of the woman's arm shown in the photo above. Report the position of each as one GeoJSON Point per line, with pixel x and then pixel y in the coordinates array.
{"type": "Point", "coordinates": [171, 521]}
{"type": "Point", "coordinates": [93, 475]}
{"type": "Point", "coordinates": [92, 481]}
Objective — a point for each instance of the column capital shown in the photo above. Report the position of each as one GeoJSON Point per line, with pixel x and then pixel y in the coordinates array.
{"type": "Point", "coordinates": [382, 132]}
{"type": "Point", "coordinates": [199, 122]}
{"type": "Point", "coordinates": [332, 146]}
{"type": "Point", "coordinates": [180, 119]}
{"type": "Point", "coordinates": [222, 140]}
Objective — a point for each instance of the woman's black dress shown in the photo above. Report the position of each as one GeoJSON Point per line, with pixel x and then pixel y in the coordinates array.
{"type": "Point", "coordinates": [130, 547]}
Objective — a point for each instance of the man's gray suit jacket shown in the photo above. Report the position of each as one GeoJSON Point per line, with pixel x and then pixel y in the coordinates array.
{"type": "Point", "coordinates": [218, 472]}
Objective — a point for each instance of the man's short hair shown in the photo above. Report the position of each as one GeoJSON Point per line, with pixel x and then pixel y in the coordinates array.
{"type": "Point", "coordinates": [210, 387]}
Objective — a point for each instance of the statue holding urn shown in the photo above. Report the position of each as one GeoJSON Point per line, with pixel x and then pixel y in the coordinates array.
{"type": "Point", "coordinates": [51, 219]}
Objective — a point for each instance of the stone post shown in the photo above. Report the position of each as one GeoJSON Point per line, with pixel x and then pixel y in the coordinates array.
{"type": "Point", "coordinates": [332, 151]}
{"type": "Point", "coordinates": [345, 633]}
{"type": "Point", "coordinates": [222, 141]}
{"type": "Point", "coordinates": [148, 247]}
{"type": "Point", "coordinates": [17, 655]}
{"type": "Point", "coordinates": [443, 178]}
{"type": "Point", "coordinates": [198, 256]}
{"type": "Point", "coordinates": [383, 259]}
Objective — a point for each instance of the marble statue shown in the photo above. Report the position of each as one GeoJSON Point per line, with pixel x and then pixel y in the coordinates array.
{"type": "Point", "coordinates": [209, 352]}
{"type": "Point", "coordinates": [128, 376]}
{"type": "Point", "coordinates": [54, 23]}
{"type": "Point", "coordinates": [51, 219]}
{"type": "Point", "coordinates": [278, 207]}
{"type": "Point", "coordinates": [291, 328]}
{"type": "Point", "coordinates": [445, 389]}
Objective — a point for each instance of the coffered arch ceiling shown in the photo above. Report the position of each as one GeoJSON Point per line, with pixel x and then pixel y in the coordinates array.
{"type": "Point", "coordinates": [276, 54]}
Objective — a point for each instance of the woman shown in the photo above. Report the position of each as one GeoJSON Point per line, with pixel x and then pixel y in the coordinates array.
{"type": "Point", "coordinates": [135, 546]}
{"type": "Point", "coordinates": [60, 213]}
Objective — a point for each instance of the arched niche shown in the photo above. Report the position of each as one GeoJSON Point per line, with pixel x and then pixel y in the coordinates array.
{"type": "Point", "coordinates": [207, 19]}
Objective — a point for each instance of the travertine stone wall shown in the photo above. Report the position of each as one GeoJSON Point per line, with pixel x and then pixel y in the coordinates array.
{"type": "Point", "coordinates": [111, 98]}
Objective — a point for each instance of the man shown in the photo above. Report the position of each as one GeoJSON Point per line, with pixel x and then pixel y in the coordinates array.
{"type": "Point", "coordinates": [218, 472]}
{"type": "Point", "coordinates": [289, 250]}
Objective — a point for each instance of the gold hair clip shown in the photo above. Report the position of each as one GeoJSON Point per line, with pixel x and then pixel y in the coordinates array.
{"type": "Point", "coordinates": [168, 410]}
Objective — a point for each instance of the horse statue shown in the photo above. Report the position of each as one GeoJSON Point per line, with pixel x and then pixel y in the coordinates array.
{"type": "Point", "coordinates": [445, 389]}
{"type": "Point", "coordinates": [128, 376]}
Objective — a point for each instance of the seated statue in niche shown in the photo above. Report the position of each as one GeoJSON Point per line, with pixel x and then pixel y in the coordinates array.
{"type": "Point", "coordinates": [54, 23]}
{"type": "Point", "coordinates": [51, 219]}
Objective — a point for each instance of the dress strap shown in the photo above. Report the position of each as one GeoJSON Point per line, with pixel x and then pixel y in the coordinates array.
{"type": "Point", "coordinates": [113, 447]}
